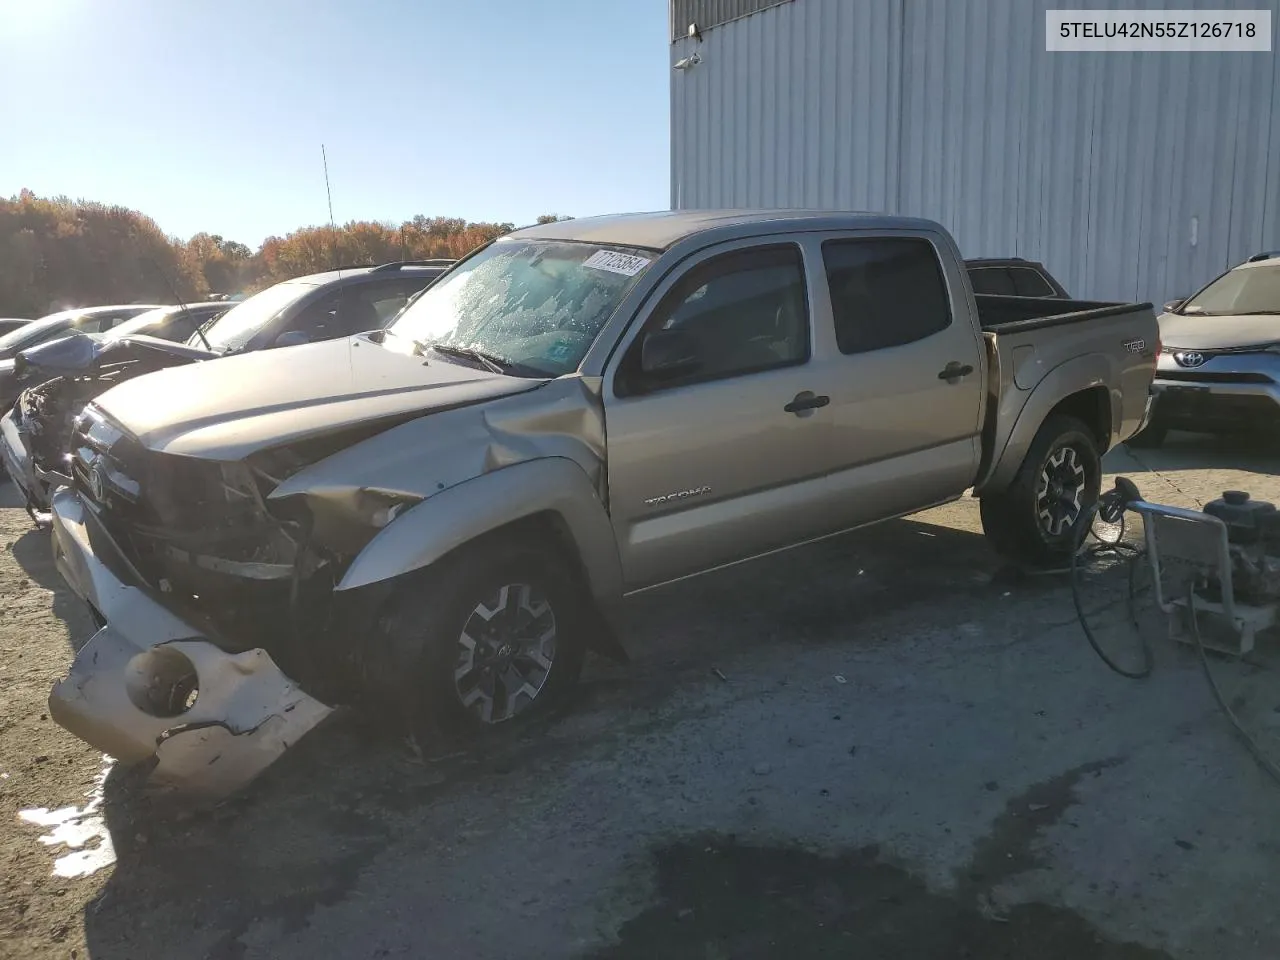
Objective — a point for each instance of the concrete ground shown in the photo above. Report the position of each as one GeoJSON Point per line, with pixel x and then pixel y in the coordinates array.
{"type": "Point", "coordinates": [878, 746]}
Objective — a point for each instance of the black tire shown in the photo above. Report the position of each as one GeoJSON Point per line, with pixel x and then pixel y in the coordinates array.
{"type": "Point", "coordinates": [1012, 519]}
{"type": "Point", "coordinates": [423, 624]}
{"type": "Point", "coordinates": [1149, 438]}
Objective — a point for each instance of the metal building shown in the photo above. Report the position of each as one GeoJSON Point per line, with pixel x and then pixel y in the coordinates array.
{"type": "Point", "coordinates": [1135, 176]}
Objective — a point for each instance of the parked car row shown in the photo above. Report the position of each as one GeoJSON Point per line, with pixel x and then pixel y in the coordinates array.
{"type": "Point", "coordinates": [52, 327]}
{"type": "Point", "coordinates": [62, 375]}
{"type": "Point", "coordinates": [438, 510]}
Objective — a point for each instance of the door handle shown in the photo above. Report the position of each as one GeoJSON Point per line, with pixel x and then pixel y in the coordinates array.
{"type": "Point", "coordinates": [954, 371]}
{"type": "Point", "coordinates": [806, 402]}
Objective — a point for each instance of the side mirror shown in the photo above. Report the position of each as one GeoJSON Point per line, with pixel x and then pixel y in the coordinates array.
{"type": "Point", "coordinates": [668, 354]}
{"type": "Point", "coordinates": [293, 338]}
{"type": "Point", "coordinates": [1172, 305]}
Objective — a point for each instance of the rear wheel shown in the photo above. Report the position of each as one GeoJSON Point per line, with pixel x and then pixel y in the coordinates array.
{"type": "Point", "coordinates": [1036, 521]}
{"type": "Point", "coordinates": [492, 636]}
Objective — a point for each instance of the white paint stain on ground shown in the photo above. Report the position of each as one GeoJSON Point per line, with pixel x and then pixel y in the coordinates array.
{"type": "Point", "coordinates": [83, 829]}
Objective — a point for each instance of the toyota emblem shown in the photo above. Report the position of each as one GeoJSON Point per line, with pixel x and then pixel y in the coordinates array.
{"type": "Point", "coordinates": [97, 481]}
{"type": "Point", "coordinates": [1190, 359]}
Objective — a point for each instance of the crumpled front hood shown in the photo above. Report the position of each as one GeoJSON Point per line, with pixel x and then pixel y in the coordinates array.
{"type": "Point", "coordinates": [227, 409]}
{"type": "Point", "coordinates": [1217, 333]}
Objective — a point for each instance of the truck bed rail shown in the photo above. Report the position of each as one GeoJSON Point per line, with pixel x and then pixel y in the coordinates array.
{"type": "Point", "coordinates": [1004, 314]}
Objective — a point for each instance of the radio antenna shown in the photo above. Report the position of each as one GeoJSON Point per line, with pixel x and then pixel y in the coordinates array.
{"type": "Point", "coordinates": [333, 230]}
{"type": "Point", "coordinates": [181, 304]}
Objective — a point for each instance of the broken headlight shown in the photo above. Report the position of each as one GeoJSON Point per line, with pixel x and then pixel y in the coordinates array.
{"type": "Point", "coordinates": [379, 507]}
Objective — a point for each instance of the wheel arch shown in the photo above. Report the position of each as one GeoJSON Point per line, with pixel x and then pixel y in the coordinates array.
{"type": "Point", "coordinates": [1092, 407]}
{"type": "Point", "coordinates": [1077, 388]}
{"type": "Point", "coordinates": [546, 501]}
{"type": "Point", "coordinates": [552, 494]}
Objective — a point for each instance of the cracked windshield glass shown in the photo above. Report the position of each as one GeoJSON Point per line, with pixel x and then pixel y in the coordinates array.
{"type": "Point", "coordinates": [531, 307]}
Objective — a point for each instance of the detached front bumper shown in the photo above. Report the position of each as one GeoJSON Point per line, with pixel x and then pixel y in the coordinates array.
{"type": "Point", "coordinates": [17, 456]}
{"type": "Point", "coordinates": [149, 684]}
{"type": "Point", "coordinates": [35, 483]}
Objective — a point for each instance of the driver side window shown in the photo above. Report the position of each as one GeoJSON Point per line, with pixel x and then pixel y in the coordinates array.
{"type": "Point", "coordinates": [741, 312]}
{"type": "Point", "coordinates": [318, 319]}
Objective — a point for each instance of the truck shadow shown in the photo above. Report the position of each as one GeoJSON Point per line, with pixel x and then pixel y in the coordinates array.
{"type": "Point", "coordinates": [33, 552]}
{"type": "Point", "coordinates": [1251, 452]}
{"type": "Point", "coordinates": [198, 884]}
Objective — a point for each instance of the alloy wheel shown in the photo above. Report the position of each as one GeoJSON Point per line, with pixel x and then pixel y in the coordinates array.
{"type": "Point", "coordinates": [505, 653]}
{"type": "Point", "coordinates": [1060, 491]}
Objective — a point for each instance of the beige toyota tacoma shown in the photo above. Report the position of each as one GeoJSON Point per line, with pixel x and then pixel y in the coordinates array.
{"type": "Point", "coordinates": [444, 516]}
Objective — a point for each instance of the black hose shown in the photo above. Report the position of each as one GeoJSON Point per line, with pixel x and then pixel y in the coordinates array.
{"type": "Point", "coordinates": [1116, 548]}
{"type": "Point", "coordinates": [1135, 557]}
{"type": "Point", "coordinates": [1264, 761]}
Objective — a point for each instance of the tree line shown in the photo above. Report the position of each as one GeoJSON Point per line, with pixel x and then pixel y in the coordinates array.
{"type": "Point", "coordinates": [57, 253]}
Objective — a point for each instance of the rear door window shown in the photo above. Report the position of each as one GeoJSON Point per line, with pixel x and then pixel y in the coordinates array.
{"type": "Point", "coordinates": [885, 292]}
{"type": "Point", "coordinates": [1030, 283]}
{"type": "Point", "coordinates": [388, 299]}
{"type": "Point", "coordinates": [992, 280]}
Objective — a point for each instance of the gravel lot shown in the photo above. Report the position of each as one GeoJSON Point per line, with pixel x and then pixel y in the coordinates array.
{"type": "Point", "coordinates": [878, 746]}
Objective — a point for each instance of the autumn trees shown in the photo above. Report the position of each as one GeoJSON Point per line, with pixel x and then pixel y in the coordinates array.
{"type": "Point", "coordinates": [57, 253]}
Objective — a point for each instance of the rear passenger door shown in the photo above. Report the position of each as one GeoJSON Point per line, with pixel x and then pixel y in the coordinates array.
{"type": "Point", "coordinates": [907, 405]}
{"type": "Point", "coordinates": [726, 461]}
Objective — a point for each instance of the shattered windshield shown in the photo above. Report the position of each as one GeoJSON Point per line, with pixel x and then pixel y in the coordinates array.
{"type": "Point", "coordinates": [237, 326]}
{"type": "Point", "coordinates": [529, 307]}
{"type": "Point", "coordinates": [1249, 290]}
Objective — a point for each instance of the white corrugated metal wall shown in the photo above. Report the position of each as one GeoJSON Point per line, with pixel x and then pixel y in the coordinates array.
{"type": "Point", "coordinates": [1131, 175]}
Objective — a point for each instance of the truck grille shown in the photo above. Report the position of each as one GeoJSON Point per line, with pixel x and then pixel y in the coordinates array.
{"type": "Point", "coordinates": [194, 529]}
{"type": "Point", "coordinates": [1205, 376]}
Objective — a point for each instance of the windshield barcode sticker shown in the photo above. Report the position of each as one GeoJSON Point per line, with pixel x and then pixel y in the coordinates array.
{"type": "Point", "coordinates": [623, 263]}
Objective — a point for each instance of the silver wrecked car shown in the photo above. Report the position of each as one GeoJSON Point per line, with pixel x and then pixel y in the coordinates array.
{"type": "Point", "coordinates": [1219, 368]}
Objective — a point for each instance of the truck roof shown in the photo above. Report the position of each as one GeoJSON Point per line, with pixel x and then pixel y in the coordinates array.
{"type": "Point", "coordinates": [662, 229]}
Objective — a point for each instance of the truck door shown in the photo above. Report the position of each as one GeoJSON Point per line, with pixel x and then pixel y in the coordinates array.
{"type": "Point", "coordinates": [907, 405]}
{"type": "Point", "coordinates": [722, 460]}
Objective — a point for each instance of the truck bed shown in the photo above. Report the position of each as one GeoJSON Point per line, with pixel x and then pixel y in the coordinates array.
{"type": "Point", "coordinates": [1006, 315]}
{"type": "Point", "coordinates": [1110, 348]}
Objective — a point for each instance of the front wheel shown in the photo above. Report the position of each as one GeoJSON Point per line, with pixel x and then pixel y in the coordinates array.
{"type": "Point", "coordinates": [491, 636]}
{"type": "Point", "coordinates": [1036, 521]}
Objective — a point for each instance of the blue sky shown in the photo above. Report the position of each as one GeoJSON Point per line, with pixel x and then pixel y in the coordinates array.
{"type": "Point", "coordinates": [209, 114]}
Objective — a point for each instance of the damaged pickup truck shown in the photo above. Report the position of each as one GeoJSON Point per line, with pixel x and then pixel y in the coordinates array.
{"type": "Point", "coordinates": [444, 516]}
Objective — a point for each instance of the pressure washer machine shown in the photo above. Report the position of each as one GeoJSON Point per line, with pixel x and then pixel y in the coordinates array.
{"type": "Point", "coordinates": [1214, 576]}
{"type": "Point", "coordinates": [1216, 570]}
